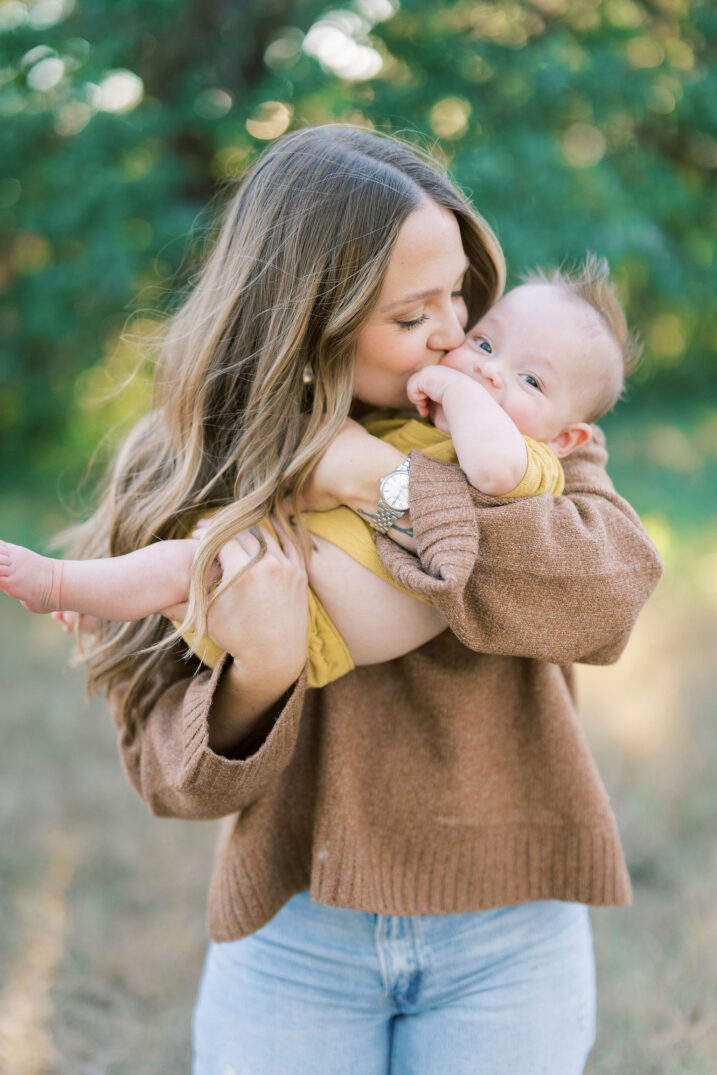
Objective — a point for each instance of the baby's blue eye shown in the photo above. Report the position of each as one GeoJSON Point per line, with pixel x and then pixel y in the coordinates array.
{"type": "Point", "coordinates": [485, 346]}
{"type": "Point", "coordinates": [529, 379]}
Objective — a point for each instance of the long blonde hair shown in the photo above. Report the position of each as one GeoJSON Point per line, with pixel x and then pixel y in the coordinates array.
{"type": "Point", "coordinates": [298, 263]}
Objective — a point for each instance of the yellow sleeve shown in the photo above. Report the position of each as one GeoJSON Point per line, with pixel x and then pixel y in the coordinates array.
{"type": "Point", "coordinates": [544, 474]}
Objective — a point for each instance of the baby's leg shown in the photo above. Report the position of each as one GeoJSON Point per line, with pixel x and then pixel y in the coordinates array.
{"type": "Point", "coordinates": [114, 588]}
{"type": "Point", "coordinates": [377, 621]}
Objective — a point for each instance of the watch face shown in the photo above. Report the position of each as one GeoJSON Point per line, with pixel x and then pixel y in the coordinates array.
{"type": "Point", "coordinates": [394, 490]}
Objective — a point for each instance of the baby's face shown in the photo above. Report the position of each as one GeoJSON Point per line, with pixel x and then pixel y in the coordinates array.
{"type": "Point", "coordinates": [538, 352]}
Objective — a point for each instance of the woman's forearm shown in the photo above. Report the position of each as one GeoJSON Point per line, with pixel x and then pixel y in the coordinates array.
{"type": "Point", "coordinates": [361, 486]}
{"type": "Point", "coordinates": [243, 712]}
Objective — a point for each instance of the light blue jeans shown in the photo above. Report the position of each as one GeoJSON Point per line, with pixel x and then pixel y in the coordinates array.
{"type": "Point", "coordinates": [327, 991]}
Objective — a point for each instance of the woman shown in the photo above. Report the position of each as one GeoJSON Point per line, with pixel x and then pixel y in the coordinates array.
{"type": "Point", "coordinates": [442, 810]}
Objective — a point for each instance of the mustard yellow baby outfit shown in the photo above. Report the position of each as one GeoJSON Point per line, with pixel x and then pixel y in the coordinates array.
{"type": "Point", "coordinates": [329, 656]}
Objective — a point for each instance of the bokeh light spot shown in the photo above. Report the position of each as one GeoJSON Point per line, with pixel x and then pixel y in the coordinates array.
{"type": "Point", "coordinates": [659, 530]}
{"type": "Point", "coordinates": [645, 52]}
{"type": "Point", "coordinates": [449, 117]}
{"type": "Point", "coordinates": [30, 253]}
{"type": "Point", "coordinates": [583, 145]}
{"type": "Point", "coordinates": [376, 10]}
{"type": "Point", "coordinates": [46, 74]}
{"type": "Point", "coordinates": [45, 13]}
{"type": "Point", "coordinates": [667, 337]}
{"type": "Point", "coordinates": [40, 52]}
{"type": "Point", "coordinates": [332, 41]}
{"type": "Point", "coordinates": [229, 161]}
{"type": "Point", "coordinates": [72, 117]}
{"type": "Point", "coordinates": [139, 162]}
{"type": "Point", "coordinates": [270, 120]}
{"type": "Point", "coordinates": [679, 53]}
{"type": "Point", "coordinates": [550, 7]}
{"type": "Point", "coordinates": [285, 49]}
{"type": "Point", "coordinates": [120, 91]}
{"type": "Point", "coordinates": [670, 448]}
{"type": "Point", "coordinates": [213, 103]}
{"type": "Point", "coordinates": [12, 15]}
{"type": "Point", "coordinates": [624, 13]}
{"type": "Point", "coordinates": [661, 100]}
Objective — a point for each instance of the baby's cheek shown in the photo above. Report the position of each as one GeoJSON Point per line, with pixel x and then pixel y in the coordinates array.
{"type": "Point", "coordinates": [460, 358]}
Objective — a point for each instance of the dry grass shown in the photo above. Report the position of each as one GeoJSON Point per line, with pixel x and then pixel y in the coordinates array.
{"type": "Point", "coordinates": [102, 927]}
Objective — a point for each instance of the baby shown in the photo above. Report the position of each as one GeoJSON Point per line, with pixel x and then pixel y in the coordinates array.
{"type": "Point", "coordinates": [518, 395]}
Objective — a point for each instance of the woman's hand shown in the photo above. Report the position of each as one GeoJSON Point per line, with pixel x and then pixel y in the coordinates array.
{"type": "Point", "coordinates": [68, 620]}
{"type": "Point", "coordinates": [262, 618]}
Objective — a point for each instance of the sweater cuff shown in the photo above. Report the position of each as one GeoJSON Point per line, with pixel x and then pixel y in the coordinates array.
{"type": "Point", "coordinates": [249, 776]}
{"type": "Point", "coordinates": [445, 528]}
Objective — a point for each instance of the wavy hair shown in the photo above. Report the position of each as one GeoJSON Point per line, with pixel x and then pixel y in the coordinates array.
{"type": "Point", "coordinates": [298, 263]}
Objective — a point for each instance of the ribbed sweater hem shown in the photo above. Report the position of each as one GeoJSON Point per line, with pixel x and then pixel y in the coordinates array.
{"type": "Point", "coordinates": [502, 865]}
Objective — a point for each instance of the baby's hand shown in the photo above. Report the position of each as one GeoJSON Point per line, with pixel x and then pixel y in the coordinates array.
{"type": "Point", "coordinates": [67, 620]}
{"type": "Point", "coordinates": [430, 385]}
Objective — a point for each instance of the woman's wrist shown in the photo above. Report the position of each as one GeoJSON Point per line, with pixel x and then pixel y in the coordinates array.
{"type": "Point", "coordinates": [361, 485]}
{"type": "Point", "coordinates": [244, 710]}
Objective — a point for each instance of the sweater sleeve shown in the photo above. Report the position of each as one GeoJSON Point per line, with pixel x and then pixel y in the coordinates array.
{"type": "Point", "coordinates": [170, 764]}
{"type": "Point", "coordinates": [553, 578]}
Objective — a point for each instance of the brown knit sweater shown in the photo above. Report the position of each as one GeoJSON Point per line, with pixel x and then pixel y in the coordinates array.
{"type": "Point", "coordinates": [456, 778]}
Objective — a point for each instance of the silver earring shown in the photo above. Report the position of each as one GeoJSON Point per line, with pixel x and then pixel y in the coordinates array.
{"type": "Point", "coordinates": [308, 375]}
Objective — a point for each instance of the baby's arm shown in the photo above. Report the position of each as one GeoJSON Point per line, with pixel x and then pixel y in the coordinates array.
{"type": "Point", "coordinates": [113, 588]}
{"type": "Point", "coordinates": [377, 621]}
{"type": "Point", "coordinates": [489, 446]}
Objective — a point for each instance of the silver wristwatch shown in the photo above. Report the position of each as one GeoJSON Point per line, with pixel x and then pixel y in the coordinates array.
{"type": "Point", "coordinates": [394, 500]}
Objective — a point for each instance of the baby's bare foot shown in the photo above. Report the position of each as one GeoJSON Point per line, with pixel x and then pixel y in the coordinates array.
{"type": "Point", "coordinates": [36, 581]}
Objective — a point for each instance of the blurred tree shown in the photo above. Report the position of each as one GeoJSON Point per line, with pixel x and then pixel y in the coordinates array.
{"type": "Point", "coordinates": [574, 124]}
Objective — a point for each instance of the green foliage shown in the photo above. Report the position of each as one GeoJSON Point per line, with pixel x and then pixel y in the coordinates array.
{"type": "Point", "coordinates": [574, 124]}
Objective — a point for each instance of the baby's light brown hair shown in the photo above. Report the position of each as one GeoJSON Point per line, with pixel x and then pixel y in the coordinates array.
{"type": "Point", "coordinates": [590, 281]}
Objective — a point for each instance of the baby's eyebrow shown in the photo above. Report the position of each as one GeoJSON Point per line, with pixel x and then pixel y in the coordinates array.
{"type": "Point", "coordinates": [542, 360]}
{"type": "Point", "coordinates": [488, 319]}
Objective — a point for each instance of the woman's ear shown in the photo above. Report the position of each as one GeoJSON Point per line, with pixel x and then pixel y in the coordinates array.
{"type": "Point", "coordinates": [572, 437]}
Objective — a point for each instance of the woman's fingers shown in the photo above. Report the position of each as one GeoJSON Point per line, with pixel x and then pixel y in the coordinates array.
{"type": "Point", "coordinates": [245, 545]}
{"type": "Point", "coordinates": [68, 620]}
{"type": "Point", "coordinates": [289, 548]}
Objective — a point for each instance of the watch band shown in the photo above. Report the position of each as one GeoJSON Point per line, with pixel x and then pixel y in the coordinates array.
{"type": "Point", "coordinates": [385, 515]}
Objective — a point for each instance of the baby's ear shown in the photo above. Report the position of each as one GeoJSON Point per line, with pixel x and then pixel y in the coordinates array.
{"type": "Point", "coordinates": [572, 437]}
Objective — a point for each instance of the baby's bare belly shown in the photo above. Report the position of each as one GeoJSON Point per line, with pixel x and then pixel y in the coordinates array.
{"type": "Point", "coordinates": [377, 621]}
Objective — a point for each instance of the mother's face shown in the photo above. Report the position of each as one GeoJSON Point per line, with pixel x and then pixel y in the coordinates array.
{"type": "Point", "coordinates": [420, 313]}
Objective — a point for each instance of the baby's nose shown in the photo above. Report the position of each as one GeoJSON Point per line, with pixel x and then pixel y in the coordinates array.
{"type": "Point", "coordinates": [488, 371]}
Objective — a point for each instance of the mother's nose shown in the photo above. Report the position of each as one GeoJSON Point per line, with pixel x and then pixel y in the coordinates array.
{"type": "Point", "coordinates": [448, 333]}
